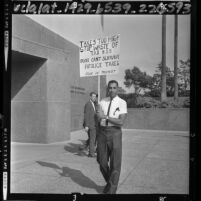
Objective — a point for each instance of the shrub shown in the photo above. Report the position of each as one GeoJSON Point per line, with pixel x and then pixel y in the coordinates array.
{"type": "Point", "coordinates": [153, 93]}
{"type": "Point", "coordinates": [184, 93]}
{"type": "Point", "coordinates": [186, 103]}
{"type": "Point", "coordinates": [163, 104]}
{"type": "Point", "coordinates": [147, 105]}
{"type": "Point", "coordinates": [131, 100]}
{"type": "Point", "coordinates": [170, 93]}
{"type": "Point", "coordinates": [134, 101]}
{"type": "Point", "coordinates": [147, 102]}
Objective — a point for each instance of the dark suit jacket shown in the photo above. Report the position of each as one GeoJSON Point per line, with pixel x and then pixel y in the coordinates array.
{"type": "Point", "coordinates": [89, 116]}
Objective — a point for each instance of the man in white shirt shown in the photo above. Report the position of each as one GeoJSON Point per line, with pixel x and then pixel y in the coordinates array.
{"type": "Point", "coordinates": [111, 115]}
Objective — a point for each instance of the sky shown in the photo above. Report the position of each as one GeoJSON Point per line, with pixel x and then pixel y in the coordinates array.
{"type": "Point", "coordinates": [140, 37]}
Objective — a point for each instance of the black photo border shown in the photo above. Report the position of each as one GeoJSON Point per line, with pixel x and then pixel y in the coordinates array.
{"type": "Point", "coordinates": [7, 7]}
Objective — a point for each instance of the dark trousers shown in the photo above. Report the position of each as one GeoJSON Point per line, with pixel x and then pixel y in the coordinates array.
{"type": "Point", "coordinates": [91, 142]}
{"type": "Point", "coordinates": [109, 154]}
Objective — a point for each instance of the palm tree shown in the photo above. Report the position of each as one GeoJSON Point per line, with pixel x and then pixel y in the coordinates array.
{"type": "Point", "coordinates": [176, 59]}
{"type": "Point", "coordinates": [163, 69]}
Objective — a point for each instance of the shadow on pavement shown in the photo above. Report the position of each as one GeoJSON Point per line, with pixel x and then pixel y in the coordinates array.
{"type": "Point", "coordinates": [47, 164]}
{"type": "Point", "coordinates": [75, 149]}
{"type": "Point", "coordinates": [76, 175]}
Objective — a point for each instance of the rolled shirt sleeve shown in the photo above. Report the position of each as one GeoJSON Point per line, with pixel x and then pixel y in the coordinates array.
{"type": "Point", "coordinates": [123, 107]}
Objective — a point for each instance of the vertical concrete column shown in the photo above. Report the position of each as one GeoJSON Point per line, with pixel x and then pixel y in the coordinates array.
{"type": "Point", "coordinates": [28, 105]}
{"type": "Point", "coordinates": [58, 102]}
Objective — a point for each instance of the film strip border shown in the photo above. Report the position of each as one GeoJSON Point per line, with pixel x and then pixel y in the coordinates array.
{"type": "Point", "coordinates": [102, 7]}
{"type": "Point", "coordinates": [70, 7]}
{"type": "Point", "coordinates": [5, 112]}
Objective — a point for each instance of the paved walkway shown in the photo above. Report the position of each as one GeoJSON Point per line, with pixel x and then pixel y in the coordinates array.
{"type": "Point", "coordinates": [153, 162]}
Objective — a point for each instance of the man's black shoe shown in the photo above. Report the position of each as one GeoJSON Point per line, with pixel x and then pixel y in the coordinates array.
{"type": "Point", "coordinates": [92, 156]}
{"type": "Point", "coordinates": [106, 189]}
{"type": "Point", "coordinates": [81, 148]}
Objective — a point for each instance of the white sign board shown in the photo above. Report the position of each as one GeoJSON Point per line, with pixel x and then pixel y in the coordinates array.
{"type": "Point", "coordinates": [100, 56]}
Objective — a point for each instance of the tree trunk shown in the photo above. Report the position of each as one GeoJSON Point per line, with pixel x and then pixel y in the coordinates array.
{"type": "Point", "coordinates": [176, 59]}
{"type": "Point", "coordinates": [163, 69]}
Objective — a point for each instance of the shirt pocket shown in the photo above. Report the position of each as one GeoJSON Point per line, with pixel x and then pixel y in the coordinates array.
{"type": "Point", "coordinates": [116, 113]}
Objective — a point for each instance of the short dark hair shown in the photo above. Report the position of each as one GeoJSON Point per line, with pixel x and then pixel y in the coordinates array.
{"type": "Point", "coordinates": [93, 93]}
{"type": "Point", "coordinates": [113, 81]}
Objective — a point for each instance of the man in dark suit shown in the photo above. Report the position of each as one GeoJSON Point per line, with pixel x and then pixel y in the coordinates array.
{"type": "Point", "coordinates": [90, 123]}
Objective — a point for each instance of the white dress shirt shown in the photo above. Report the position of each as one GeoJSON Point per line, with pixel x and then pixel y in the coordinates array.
{"type": "Point", "coordinates": [93, 105]}
{"type": "Point", "coordinates": [118, 106]}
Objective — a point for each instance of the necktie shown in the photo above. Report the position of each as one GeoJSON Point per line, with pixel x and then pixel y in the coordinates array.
{"type": "Point", "coordinates": [108, 111]}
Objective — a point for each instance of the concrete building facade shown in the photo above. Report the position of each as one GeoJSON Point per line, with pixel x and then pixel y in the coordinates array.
{"type": "Point", "coordinates": [48, 95]}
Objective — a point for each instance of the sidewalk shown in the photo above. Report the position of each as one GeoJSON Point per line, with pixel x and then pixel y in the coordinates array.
{"type": "Point", "coordinates": [152, 162]}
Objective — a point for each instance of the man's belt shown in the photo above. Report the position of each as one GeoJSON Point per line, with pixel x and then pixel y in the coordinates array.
{"type": "Point", "coordinates": [110, 127]}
